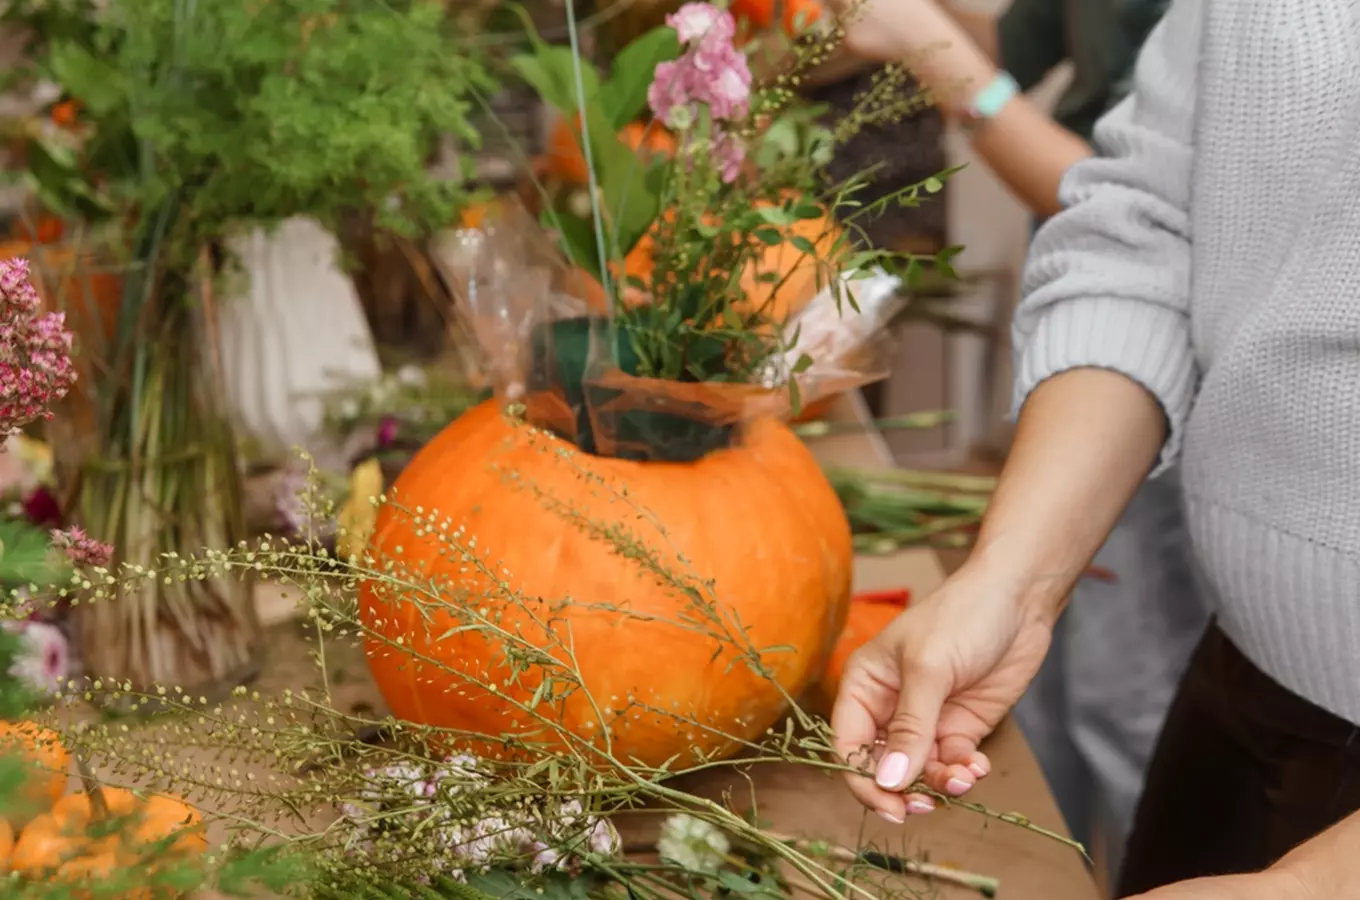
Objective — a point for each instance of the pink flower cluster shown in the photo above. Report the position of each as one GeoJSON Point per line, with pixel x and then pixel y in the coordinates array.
{"type": "Point", "coordinates": [80, 548]}
{"type": "Point", "coordinates": [35, 352]}
{"type": "Point", "coordinates": [711, 72]}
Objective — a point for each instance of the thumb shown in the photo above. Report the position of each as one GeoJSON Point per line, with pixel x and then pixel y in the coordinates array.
{"type": "Point", "coordinates": [912, 728]}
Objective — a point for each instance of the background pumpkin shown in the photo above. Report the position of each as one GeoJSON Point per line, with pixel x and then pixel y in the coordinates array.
{"type": "Point", "coordinates": [759, 520]}
{"type": "Point", "coordinates": [47, 768]}
{"type": "Point", "coordinates": [869, 614]}
{"type": "Point", "coordinates": [801, 275]}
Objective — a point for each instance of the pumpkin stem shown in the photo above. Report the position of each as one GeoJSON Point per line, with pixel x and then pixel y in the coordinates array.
{"type": "Point", "coordinates": [99, 807]}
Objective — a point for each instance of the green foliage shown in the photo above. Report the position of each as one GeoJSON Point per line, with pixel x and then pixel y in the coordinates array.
{"type": "Point", "coordinates": [631, 191]}
{"type": "Point", "coordinates": [253, 112]}
{"type": "Point", "coordinates": [26, 557]}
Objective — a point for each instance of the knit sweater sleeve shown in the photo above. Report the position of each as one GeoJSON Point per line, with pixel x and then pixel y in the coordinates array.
{"type": "Point", "coordinates": [1107, 283]}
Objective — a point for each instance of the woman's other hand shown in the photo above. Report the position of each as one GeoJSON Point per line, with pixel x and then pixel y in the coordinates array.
{"type": "Point", "coordinates": [916, 701]}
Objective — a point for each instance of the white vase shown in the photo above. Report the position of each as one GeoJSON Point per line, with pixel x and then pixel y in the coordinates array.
{"type": "Point", "coordinates": [292, 332]}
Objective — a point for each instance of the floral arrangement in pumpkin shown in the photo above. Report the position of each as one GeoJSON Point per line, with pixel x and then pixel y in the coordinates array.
{"type": "Point", "coordinates": [720, 267]}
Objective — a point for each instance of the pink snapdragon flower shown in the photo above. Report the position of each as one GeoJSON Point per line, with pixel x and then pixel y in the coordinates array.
{"type": "Point", "coordinates": [35, 352]}
{"type": "Point", "coordinates": [698, 22]}
{"type": "Point", "coordinates": [712, 73]}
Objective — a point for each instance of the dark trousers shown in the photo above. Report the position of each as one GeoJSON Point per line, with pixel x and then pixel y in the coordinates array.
{"type": "Point", "coordinates": [1244, 771]}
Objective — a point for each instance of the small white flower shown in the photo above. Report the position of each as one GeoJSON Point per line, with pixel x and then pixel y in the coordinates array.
{"type": "Point", "coordinates": [349, 408]}
{"type": "Point", "coordinates": [693, 843]}
{"type": "Point", "coordinates": [43, 663]}
{"type": "Point", "coordinates": [411, 376]}
{"type": "Point", "coordinates": [604, 839]}
{"type": "Point", "coordinates": [545, 858]}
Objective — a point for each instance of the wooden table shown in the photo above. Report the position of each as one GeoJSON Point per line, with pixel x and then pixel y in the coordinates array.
{"type": "Point", "coordinates": [797, 800]}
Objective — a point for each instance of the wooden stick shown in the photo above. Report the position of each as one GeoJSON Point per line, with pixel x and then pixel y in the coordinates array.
{"type": "Point", "coordinates": [99, 807]}
{"type": "Point", "coordinates": [985, 885]}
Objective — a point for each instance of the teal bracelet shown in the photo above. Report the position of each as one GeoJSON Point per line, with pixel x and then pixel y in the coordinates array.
{"type": "Point", "coordinates": [993, 98]}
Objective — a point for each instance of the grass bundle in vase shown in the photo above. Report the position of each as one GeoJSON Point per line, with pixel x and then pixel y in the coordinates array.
{"type": "Point", "coordinates": [163, 479]}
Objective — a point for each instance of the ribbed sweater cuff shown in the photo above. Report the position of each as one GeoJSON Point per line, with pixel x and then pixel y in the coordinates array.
{"type": "Point", "coordinates": [1146, 342]}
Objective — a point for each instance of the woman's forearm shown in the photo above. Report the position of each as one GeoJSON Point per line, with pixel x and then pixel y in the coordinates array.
{"type": "Point", "coordinates": [1085, 440]}
{"type": "Point", "coordinates": [953, 55]}
{"type": "Point", "coordinates": [1030, 153]}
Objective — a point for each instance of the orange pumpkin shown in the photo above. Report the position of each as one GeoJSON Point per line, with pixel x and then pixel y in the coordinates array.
{"type": "Point", "coordinates": [800, 16]}
{"type": "Point", "coordinates": [89, 297]}
{"type": "Point", "coordinates": [565, 160]}
{"type": "Point", "coordinates": [801, 275]}
{"type": "Point", "coordinates": [869, 614]}
{"type": "Point", "coordinates": [59, 844]}
{"type": "Point", "coordinates": [758, 520]}
{"type": "Point", "coordinates": [47, 764]}
{"type": "Point", "coordinates": [759, 13]}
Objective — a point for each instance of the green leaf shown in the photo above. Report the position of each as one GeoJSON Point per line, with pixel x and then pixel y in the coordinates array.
{"type": "Point", "coordinates": [803, 244]}
{"type": "Point", "coordinates": [933, 185]}
{"type": "Point", "coordinates": [26, 557]}
{"type": "Point", "coordinates": [578, 239]}
{"type": "Point", "coordinates": [94, 82]}
{"type": "Point", "coordinates": [804, 363]}
{"type": "Point", "coordinates": [768, 236]}
{"type": "Point", "coordinates": [632, 191]}
{"type": "Point", "coordinates": [551, 72]}
{"type": "Point", "coordinates": [944, 261]}
{"type": "Point", "coordinates": [624, 95]}
{"type": "Point", "coordinates": [776, 215]}
{"type": "Point", "coordinates": [736, 883]}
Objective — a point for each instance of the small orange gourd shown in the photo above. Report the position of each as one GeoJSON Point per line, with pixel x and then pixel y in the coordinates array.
{"type": "Point", "coordinates": [47, 769]}
{"type": "Point", "coordinates": [759, 521]}
{"type": "Point", "coordinates": [62, 845]}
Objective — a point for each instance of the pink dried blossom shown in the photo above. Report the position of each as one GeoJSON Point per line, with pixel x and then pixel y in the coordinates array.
{"type": "Point", "coordinates": [729, 153]}
{"type": "Point", "coordinates": [35, 352]}
{"type": "Point", "coordinates": [700, 22]}
{"type": "Point", "coordinates": [80, 548]}
{"type": "Point", "coordinates": [712, 72]}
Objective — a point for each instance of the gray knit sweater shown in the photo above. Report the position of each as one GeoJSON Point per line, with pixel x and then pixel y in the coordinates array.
{"type": "Point", "coordinates": [1212, 253]}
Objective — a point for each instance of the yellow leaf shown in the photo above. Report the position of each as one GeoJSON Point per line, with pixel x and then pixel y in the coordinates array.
{"type": "Point", "coordinates": [359, 514]}
{"type": "Point", "coordinates": [36, 457]}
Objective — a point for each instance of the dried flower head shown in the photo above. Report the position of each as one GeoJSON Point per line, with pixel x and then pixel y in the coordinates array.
{"type": "Point", "coordinates": [35, 352]}
{"type": "Point", "coordinates": [693, 843]}
{"type": "Point", "coordinates": [80, 548]}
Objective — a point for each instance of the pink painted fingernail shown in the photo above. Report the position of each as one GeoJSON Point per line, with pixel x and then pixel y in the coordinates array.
{"type": "Point", "coordinates": [978, 769]}
{"type": "Point", "coordinates": [957, 787]}
{"type": "Point", "coordinates": [892, 771]}
{"type": "Point", "coordinates": [920, 807]}
{"type": "Point", "coordinates": [889, 817]}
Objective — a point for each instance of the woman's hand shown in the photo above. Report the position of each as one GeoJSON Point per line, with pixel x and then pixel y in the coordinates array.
{"type": "Point", "coordinates": [916, 701]}
{"type": "Point", "coordinates": [890, 30]}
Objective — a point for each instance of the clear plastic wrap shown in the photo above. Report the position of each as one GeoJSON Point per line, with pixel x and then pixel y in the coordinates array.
{"type": "Point", "coordinates": [545, 342]}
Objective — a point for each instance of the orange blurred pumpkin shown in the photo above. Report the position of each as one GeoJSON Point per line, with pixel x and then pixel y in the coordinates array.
{"type": "Point", "coordinates": [801, 275]}
{"type": "Point", "coordinates": [869, 614]}
{"type": "Point", "coordinates": [759, 520]}
{"type": "Point", "coordinates": [565, 160]}
{"type": "Point", "coordinates": [800, 16]}
{"type": "Point", "coordinates": [47, 765]}
{"type": "Point", "coordinates": [90, 296]}
{"type": "Point", "coordinates": [759, 13]}
{"type": "Point", "coordinates": [61, 846]}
